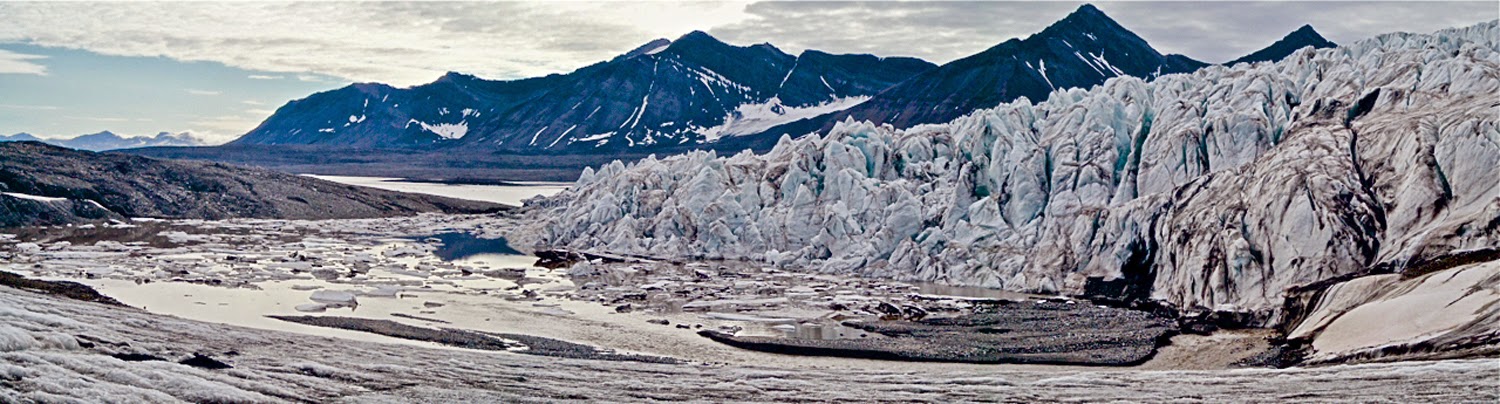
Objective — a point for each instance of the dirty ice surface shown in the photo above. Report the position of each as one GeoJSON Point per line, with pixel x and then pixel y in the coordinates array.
{"type": "Point", "coordinates": [56, 350]}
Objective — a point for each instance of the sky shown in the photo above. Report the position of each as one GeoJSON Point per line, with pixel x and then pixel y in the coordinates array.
{"type": "Point", "coordinates": [219, 69]}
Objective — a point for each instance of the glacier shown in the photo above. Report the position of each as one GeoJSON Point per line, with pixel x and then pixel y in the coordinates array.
{"type": "Point", "coordinates": [1213, 191]}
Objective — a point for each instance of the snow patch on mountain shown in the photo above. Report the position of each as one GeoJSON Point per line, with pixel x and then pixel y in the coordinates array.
{"type": "Point", "coordinates": [445, 130]}
{"type": "Point", "coordinates": [757, 117]}
{"type": "Point", "coordinates": [37, 198]}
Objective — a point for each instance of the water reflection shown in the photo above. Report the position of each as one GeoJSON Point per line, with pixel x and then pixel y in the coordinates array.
{"type": "Point", "coordinates": [458, 246]}
{"type": "Point", "coordinates": [937, 289]}
{"type": "Point", "coordinates": [820, 331]}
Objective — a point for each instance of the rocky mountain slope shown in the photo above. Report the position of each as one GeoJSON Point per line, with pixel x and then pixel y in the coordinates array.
{"type": "Point", "coordinates": [664, 93]}
{"type": "Point", "coordinates": [42, 184]}
{"type": "Point", "coordinates": [1080, 51]}
{"type": "Point", "coordinates": [107, 140]}
{"type": "Point", "coordinates": [1211, 192]}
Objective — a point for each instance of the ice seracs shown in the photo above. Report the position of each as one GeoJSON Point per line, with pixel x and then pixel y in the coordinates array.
{"type": "Point", "coordinates": [1211, 191]}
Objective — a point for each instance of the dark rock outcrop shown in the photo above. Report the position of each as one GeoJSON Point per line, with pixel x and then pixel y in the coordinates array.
{"type": "Point", "coordinates": [71, 290]}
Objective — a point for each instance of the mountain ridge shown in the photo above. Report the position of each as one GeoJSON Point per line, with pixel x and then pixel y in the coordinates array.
{"type": "Point", "coordinates": [696, 92]}
{"type": "Point", "coordinates": [1008, 71]}
{"type": "Point", "coordinates": [107, 140]}
{"type": "Point", "coordinates": [662, 92]}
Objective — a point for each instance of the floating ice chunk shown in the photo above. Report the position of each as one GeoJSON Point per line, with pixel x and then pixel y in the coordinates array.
{"type": "Point", "coordinates": [335, 297]}
{"type": "Point", "coordinates": [312, 308]}
{"type": "Point", "coordinates": [582, 268]}
{"type": "Point", "coordinates": [384, 291]}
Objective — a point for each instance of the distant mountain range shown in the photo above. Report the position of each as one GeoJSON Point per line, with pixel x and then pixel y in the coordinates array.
{"type": "Point", "coordinates": [694, 92]}
{"type": "Point", "coordinates": [107, 140]}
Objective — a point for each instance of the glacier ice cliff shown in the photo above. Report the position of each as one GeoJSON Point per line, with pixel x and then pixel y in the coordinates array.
{"type": "Point", "coordinates": [1215, 191]}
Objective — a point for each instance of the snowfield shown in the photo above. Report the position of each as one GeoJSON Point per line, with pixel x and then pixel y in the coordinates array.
{"type": "Point", "coordinates": [1212, 191]}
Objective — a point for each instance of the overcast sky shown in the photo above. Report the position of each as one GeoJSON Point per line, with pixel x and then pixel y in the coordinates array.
{"type": "Point", "coordinates": [220, 68]}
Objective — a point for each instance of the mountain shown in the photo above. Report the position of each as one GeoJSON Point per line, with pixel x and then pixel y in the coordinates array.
{"type": "Point", "coordinates": [107, 140]}
{"type": "Point", "coordinates": [20, 137]}
{"type": "Point", "coordinates": [1301, 38]}
{"type": "Point", "coordinates": [1082, 50]}
{"type": "Point", "coordinates": [666, 92]}
{"type": "Point", "coordinates": [42, 184]}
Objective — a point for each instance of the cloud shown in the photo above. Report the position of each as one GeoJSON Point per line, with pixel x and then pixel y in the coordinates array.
{"type": "Point", "coordinates": [223, 128]}
{"type": "Point", "coordinates": [252, 102]}
{"type": "Point", "coordinates": [1218, 32]}
{"type": "Point", "coordinates": [412, 43]}
{"type": "Point", "coordinates": [21, 63]}
{"type": "Point", "coordinates": [98, 118]}
{"type": "Point", "coordinates": [1209, 31]}
{"type": "Point", "coordinates": [397, 43]}
{"type": "Point", "coordinates": [30, 107]}
{"type": "Point", "coordinates": [194, 91]}
{"type": "Point", "coordinates": [265, 77]}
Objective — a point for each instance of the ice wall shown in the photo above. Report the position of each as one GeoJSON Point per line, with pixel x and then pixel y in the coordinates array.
{"type": "Point", "coordinates": [1215, 190]}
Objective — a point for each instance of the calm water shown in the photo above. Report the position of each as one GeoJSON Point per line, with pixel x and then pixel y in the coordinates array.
{"type": "Point", "coordinates": [461, 246]}
{"type": "Point", "coordinates": [503, 194]}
